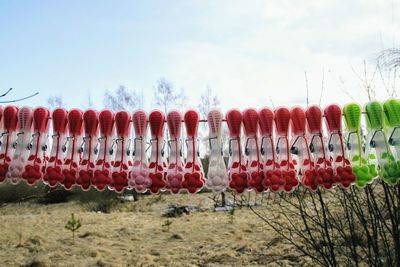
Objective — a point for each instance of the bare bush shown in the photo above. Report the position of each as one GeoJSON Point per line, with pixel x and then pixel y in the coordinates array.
{"type": "Point", "coordinates": [340, 227]}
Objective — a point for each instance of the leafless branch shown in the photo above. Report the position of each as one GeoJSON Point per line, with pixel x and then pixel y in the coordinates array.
{"type": "Point", "coordinates": [20, 99]}
{"type": "Point", "coordinates": [389, 61]}
{"type": "Point", "coordinates": [344, 89]}
{"type": "Point", "coordinates": [6, 92]}
{"type": "Point", "coordinates": [322, 86]}
{"type": "Point", "coordinates": [307, 89]}
{"type": "Point", "coordinates": [272, 102]}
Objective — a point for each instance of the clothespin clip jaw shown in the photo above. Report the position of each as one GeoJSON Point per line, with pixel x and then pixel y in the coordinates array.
{"type": "Point", "coordinates": [114, 143]}
{"type": "Point", "coordinates": [4, 133]}
{"type": "Point", "coordinates": [134, 144]}
{"type": "Point", "coordinates": [64, 146]}
{"type": "Point", "coordinates": [214, 138]}
{"type": "Point", "coordinates": [169, 142]}
{"type": "Point", "coordinates": [311, 145]}
{"type": "Point", "coordinates": [81, 148]}
{"type": "Point", "coordinates": [99, 140]}
{"type": "Point", "coordinates": [277, 149]}
{"type": "Point", "coordinates": [331, 146]}
{"type": "Point", "coordinates": [162, 148]}
{"type": "Point", "coordinates": [20, 133]}
{"type": "Point", "coordinates": [294, 149]}
{"type": "Point", "coordinates": [128, 150]}
{"type": "Point", "coordinates": [15, 143]}
{"type": "Point", "coordinates": [391, 140]}
{"type": "Point", "coordinates": [262, 150]}
{"type": "Point", "coordinates": [352, 117]}
{"type": "Point", "coordinates": [374, 120]}
{"type": "Point", "coordinates": [392, 118]}
{"type": "Point", "coordinates": [246, 147]}
{"type": "Point", "coordinates": [30, 144]}
{"type": "Point", "coordinates": [174, 141]}
{"type": "Point", "coordinates": [198, 148]}
{"type": "Point", "coordinates": [230, 147]}
{"type": "Point", "coordinates": [372, 142]}
{"type": "Point", "coordinates": [237, 139]}
{"type": "Point", "coordinates": [348, 144]}
{"type": "Point", "coordinates": [44, 147]}
{"type": "Point", "coordinates": [192, 139]}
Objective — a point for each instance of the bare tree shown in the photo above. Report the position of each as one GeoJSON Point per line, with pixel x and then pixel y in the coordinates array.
{"type": "Point", "coordinates": [367, 80]}
{"type": "Point", "coordinates": [89, 101]}
{"type": "Point", "coordinates": [165, 96]}
{"type": "Point", "coordinates": [208, 101]}
{"type": "Point", "coordinates": [181, 102]}
{"type": "Point", "coordinates": [122, 98]}
{"type": "Point", "coordinates": [55, 102]}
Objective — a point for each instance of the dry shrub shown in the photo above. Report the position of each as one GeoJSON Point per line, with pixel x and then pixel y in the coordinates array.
{"type": "Point", "coordinates": [340, 227]}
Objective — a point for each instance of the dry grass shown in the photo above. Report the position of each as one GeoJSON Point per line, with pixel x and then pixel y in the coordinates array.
{"type": "Point", "coordinates": [132, 235]}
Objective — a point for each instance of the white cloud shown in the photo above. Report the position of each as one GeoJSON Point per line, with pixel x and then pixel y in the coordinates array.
{"type": "Point", "coordinates": [260, 49]}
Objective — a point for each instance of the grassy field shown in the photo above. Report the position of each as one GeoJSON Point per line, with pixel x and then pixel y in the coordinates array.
{"type": "Point", "coordinates": [136, 234]}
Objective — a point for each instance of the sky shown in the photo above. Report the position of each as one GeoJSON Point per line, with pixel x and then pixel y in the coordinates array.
{"type": "Point", "coordinates": [251, 53]}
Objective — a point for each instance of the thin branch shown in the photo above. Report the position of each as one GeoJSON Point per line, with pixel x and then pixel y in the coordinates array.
{"type": "Point", "coordinates": [383, 79]}
{"type": "Point", "coordinates": [322, 86]}
{"type": "Point", "coordinates": [6, 92]}
{"type": "Point", "coordinates": [356, 73]}
{"type": "Point", "coordinates": [272, 102]}
{"type": "Point", "coordinates": [344, 89]}
{"type": "Point", "coordinates": [367, 84]}
{"type": "Point", "coordinates": [17, 100]}
{"type": "Point", "coordinates": [307, 89]}
{"type": "Point", "coordinates": [394, 92]}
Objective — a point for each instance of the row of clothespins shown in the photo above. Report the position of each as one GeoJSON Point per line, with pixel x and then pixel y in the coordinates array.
{"type": "Point", "coordinates": [276, 149]}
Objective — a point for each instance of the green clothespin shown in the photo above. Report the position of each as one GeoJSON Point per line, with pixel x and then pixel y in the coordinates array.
{"type": "Point", "coordinates": [365, 171]}
{"type": "Point", "coordinates": [388, 167]}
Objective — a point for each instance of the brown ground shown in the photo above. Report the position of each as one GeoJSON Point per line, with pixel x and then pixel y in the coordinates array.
{"type": "Point", "coordinates": [133, 235]}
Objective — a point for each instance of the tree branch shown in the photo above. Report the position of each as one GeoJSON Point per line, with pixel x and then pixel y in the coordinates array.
{"type": "Point", "coordinates": [6, 92]}
{"type": "Point", "coordinates": [20, 99]}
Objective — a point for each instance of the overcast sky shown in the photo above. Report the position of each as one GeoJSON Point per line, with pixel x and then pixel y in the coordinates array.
{"type": "Point", "coordinates": [248, 52]}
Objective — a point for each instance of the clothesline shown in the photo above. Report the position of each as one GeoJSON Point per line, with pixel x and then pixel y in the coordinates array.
{"type": "Point", "coordinates": [224, 120]}
{"type": "Point", "coordinates": [284, 158]}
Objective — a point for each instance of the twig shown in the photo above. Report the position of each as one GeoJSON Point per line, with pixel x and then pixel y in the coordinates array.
{"type": "Point", "coordinates": [344, 89]}
{"type": "Point", "coordinates": [6, 92]}
{"type": "Point", "coordinates": [20, 99]}
{"type": "Point", "coordinates": [322, 86]}
{"type": "Point", "coordinates": [272, 102]}
{"type": "Point", "coordinates": [307, 89]}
